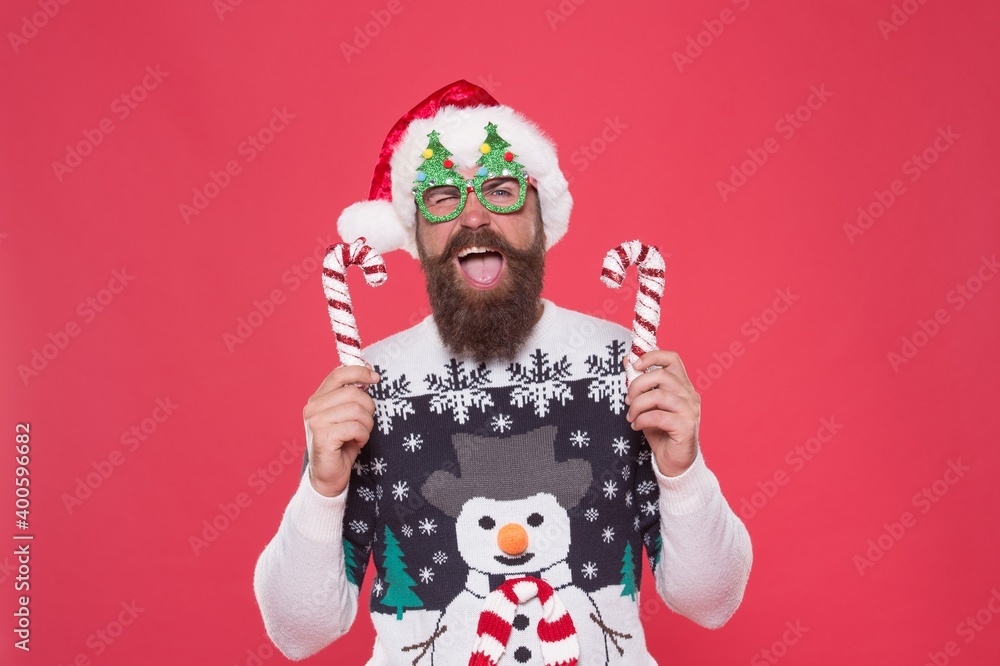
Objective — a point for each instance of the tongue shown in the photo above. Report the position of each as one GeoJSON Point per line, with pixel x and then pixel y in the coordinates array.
{"type": "Point", "coordinates": [482, 267]}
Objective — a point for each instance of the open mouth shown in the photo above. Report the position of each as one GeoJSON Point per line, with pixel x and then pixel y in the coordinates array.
{"type": "Point", "coordinates": [513, 561]}
{"type": "Point", "coordinates": [481, 266]}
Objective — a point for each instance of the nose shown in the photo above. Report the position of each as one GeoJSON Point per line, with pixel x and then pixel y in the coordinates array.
{"type": "Point", "coordinates": [474, 215]}
{"type": "Point", "coordinates": [512, 539]}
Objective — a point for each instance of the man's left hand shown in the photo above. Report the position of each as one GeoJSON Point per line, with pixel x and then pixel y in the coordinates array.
{"type": "Point", "coordinates": [664, 405]}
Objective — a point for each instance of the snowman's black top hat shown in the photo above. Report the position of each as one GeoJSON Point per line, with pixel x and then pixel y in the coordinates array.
{"type": "Point", "coordinates": [508, 468]}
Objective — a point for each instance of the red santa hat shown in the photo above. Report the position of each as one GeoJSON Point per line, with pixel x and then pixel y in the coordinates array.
{"type": "Point", "coordinates": [459, 112]}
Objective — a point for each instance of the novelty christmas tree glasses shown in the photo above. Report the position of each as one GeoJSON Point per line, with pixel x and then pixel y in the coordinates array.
{"type": "Point", "coordinates": [500, 181]}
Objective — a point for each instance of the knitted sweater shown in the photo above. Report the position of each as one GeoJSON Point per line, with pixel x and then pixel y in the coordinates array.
{"type": "Point", "coordinates": [476, 473]}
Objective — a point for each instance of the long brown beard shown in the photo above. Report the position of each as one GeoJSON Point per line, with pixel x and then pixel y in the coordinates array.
{"type": "Point", "coordinates": [493, 323]}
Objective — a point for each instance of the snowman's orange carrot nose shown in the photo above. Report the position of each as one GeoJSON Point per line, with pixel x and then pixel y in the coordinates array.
{"type": "Point", "coordinates": [512, 539]}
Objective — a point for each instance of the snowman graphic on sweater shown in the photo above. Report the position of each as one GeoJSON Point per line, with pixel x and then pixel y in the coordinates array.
{"type": "Point", "coordinates": [511, 504]}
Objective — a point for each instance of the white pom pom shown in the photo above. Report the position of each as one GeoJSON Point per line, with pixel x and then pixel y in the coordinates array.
{"type": "Point", "coordinates": [378, 222]}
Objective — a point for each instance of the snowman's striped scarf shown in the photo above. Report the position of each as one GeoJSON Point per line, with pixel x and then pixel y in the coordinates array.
{"type": "Point", "coordinates": [555, 630]}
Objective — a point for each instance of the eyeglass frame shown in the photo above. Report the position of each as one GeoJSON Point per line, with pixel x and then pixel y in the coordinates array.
{"type": "Point", "coordinates": [473, 184]}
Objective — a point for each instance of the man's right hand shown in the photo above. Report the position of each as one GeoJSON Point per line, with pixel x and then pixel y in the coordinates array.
{"type": "Point", "coordinates": [339, 418]}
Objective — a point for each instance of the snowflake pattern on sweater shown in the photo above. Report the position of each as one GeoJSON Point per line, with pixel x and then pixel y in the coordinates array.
{"type": "Point", "coordinates": [476, 472]}
{"type": "Point", "coordinates": [440, 397]}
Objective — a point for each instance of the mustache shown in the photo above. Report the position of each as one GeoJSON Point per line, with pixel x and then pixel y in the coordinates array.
{"type": "Point", "coordinates": [483, 237]}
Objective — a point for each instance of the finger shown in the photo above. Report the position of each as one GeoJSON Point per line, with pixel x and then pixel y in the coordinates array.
{"type": "Point", "coordinates": [347, 374]}
{"type": "Point", "coordinates": [353, 432]}
{"type": "Point", "coordinates": [339, 396]}
{"type": "Point", "coordinates": [668, 359]}
{"type": "Point", "coordinates": [342, 413]}
{"type": "Point", "coordinates": [666, 421]}
{"type": "Point", "coordinates": [657, 378]}
{"type": "Point", "coordinates": [658, 399]}
{"type": "Point", "coordinates": [348, 435]}
{"type": "Point", "coordinates": [325, 460]}
{"type": "Point", "coordinates": [350, 412]}
{"type": "Point", "coordinates": [351, 451]}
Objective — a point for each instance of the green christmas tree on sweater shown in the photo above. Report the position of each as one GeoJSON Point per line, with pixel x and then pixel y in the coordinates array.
{"type": "Point", "coordinates": [349, 563]}
{"type": "Point", "coordinates": [398, 595]}
{"type": "Point", "coordinates": [656, 550]}
{"type": "Point", "coordinates": [628, 572]}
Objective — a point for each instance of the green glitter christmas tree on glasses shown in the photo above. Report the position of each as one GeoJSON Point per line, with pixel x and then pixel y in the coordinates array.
{"type": "Point", "coordinates": [500, 181]}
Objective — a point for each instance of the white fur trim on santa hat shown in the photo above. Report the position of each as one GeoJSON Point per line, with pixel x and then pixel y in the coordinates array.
{"type": "Point", "coordinates": [461, 131]}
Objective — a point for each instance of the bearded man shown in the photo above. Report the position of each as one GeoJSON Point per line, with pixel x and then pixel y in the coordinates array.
{"type": "Point", "coordinates": [490, 462]}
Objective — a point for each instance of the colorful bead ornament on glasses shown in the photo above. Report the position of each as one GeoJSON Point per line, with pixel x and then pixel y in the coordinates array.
{"type": "Point", "coordinates": [439, 170]}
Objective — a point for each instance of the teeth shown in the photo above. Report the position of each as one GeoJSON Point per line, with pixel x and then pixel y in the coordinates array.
{"type": "Point", "coordinates": [475, 249]}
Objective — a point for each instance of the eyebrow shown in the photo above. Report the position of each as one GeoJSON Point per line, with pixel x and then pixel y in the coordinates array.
{"type": "Point", "coordinates": [498, 181]}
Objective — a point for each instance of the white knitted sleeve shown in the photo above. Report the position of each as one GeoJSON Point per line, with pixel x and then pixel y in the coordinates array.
{"type": "Point", "coordinates": [706, 555]}
{"type": "Point", "coordinates": [300, 582]}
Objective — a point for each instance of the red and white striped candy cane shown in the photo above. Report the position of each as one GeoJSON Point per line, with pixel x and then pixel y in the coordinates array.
{"type": "Point", "coordinates": [338, 258]}
{"type": "Point", "coordinates": [647, 300]}
{"type": "Point", "coordinates": [555, 630]}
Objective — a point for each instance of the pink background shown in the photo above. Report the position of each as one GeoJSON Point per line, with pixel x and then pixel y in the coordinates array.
{"type": "Point", "coordinates": [671, 133]}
